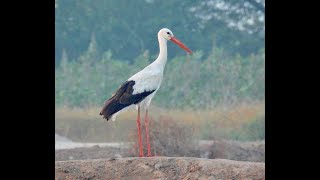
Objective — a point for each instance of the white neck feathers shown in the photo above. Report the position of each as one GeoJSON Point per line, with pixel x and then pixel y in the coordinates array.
{"type": "Point", "coordinates": [162, 58]}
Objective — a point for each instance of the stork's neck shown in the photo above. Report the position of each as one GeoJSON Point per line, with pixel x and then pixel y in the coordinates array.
{"type": "Point", "coordinates": [162, 58]}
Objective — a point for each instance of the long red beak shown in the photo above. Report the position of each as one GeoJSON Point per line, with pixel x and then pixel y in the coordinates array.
{"type": "Point", "coordinates": [179, 43]}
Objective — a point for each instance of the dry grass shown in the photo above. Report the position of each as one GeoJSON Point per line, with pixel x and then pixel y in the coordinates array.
{"type": "Point", "coordinates": [86, 125]}
{"type": "Point", "coordinates": [222, 116]}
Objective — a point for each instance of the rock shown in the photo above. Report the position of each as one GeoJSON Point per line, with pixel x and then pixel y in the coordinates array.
{"type": "Point", "coordinates": [159, 168]}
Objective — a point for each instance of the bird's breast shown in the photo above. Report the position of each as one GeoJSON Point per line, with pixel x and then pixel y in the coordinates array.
{"type": "Point", "coordinates": [147, 83]}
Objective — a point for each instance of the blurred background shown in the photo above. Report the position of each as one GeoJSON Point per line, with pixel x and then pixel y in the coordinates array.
{"type": "Point", "coordinates": [210, 104]}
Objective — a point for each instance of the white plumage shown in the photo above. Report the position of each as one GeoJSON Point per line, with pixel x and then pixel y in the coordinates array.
{"type": "Point", "coordinates": [150, 77]}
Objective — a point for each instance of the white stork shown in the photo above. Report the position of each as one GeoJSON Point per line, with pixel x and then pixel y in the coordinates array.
{"type": "Point", "coordinates": [140, 88]}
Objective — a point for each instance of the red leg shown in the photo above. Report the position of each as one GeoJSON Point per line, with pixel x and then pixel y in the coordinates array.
{"type": "Point", "coordinates": [139, 134]}
{"type": "Point", "coordinates": [146, 122]}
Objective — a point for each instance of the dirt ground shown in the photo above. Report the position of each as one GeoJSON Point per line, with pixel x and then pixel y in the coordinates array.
{"type": "Point", "coordinates": [95, 152]}
{"type": "Point", "coordinates": [159, 168]}
{"type": "Point", "coordinates": [217, 161]}
{"type": "Point", "coordinates": [233, 150]}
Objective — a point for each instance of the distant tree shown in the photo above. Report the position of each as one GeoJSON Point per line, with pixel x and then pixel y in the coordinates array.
{"type": "Point", "coordinates": [241, 23]}
{"type": "Point", "coordinates": [128, 28]}
{"type": "Point", "coordinates": [243, 15]}
{"type": "Point", "coordinates": [64, 60]}
{"type": "Point", "coordinates": [92, 53]}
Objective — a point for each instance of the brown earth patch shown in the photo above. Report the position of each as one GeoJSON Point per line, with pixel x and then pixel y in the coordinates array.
{"type": "Point", "coordinates": [159, 168]}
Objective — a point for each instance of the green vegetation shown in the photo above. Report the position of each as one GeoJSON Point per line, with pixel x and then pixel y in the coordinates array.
{"type": "Point", "coordinates": [189, 81]}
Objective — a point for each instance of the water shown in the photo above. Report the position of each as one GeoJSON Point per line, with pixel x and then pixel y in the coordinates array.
{"type": "Point", "coordinates": [65, 143]}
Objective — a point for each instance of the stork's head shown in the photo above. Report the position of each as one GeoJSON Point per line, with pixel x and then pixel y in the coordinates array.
{"type": "Point", "coordinates": [168, 35]}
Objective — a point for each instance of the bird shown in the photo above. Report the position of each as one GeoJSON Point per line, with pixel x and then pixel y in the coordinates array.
{"type": "Point", "coordinates": [140, 88]}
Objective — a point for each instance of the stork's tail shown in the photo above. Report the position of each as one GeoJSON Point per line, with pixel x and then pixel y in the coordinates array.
{"type": "Point", "coordinates": [105, 112]}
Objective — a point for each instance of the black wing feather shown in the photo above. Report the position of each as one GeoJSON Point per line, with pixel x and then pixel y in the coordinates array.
{"type": "Point", "coordinates": [122, 98]}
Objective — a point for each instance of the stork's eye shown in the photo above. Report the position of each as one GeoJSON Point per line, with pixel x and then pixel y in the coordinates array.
{"type": "Point", "coordinates": [168, 33]}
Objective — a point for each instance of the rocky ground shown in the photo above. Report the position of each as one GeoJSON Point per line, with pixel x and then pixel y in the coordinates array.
{"type": "Point", "coordinates": [159, 168]}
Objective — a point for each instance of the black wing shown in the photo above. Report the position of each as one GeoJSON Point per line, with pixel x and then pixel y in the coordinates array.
{"type": "Point", "coordinates": [122, 98]}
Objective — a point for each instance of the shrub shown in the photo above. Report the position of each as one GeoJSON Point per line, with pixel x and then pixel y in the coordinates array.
{"type": "Point", "coordinates": [168, 137]}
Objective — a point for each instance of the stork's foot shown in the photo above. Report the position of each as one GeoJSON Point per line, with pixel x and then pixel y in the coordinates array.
{"type": "Point", "coordinates": [141, 154]}
{"type": "Point", "coordinates": [149, 155]}
{"type": "Point", "coordinates": [149, 150]}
